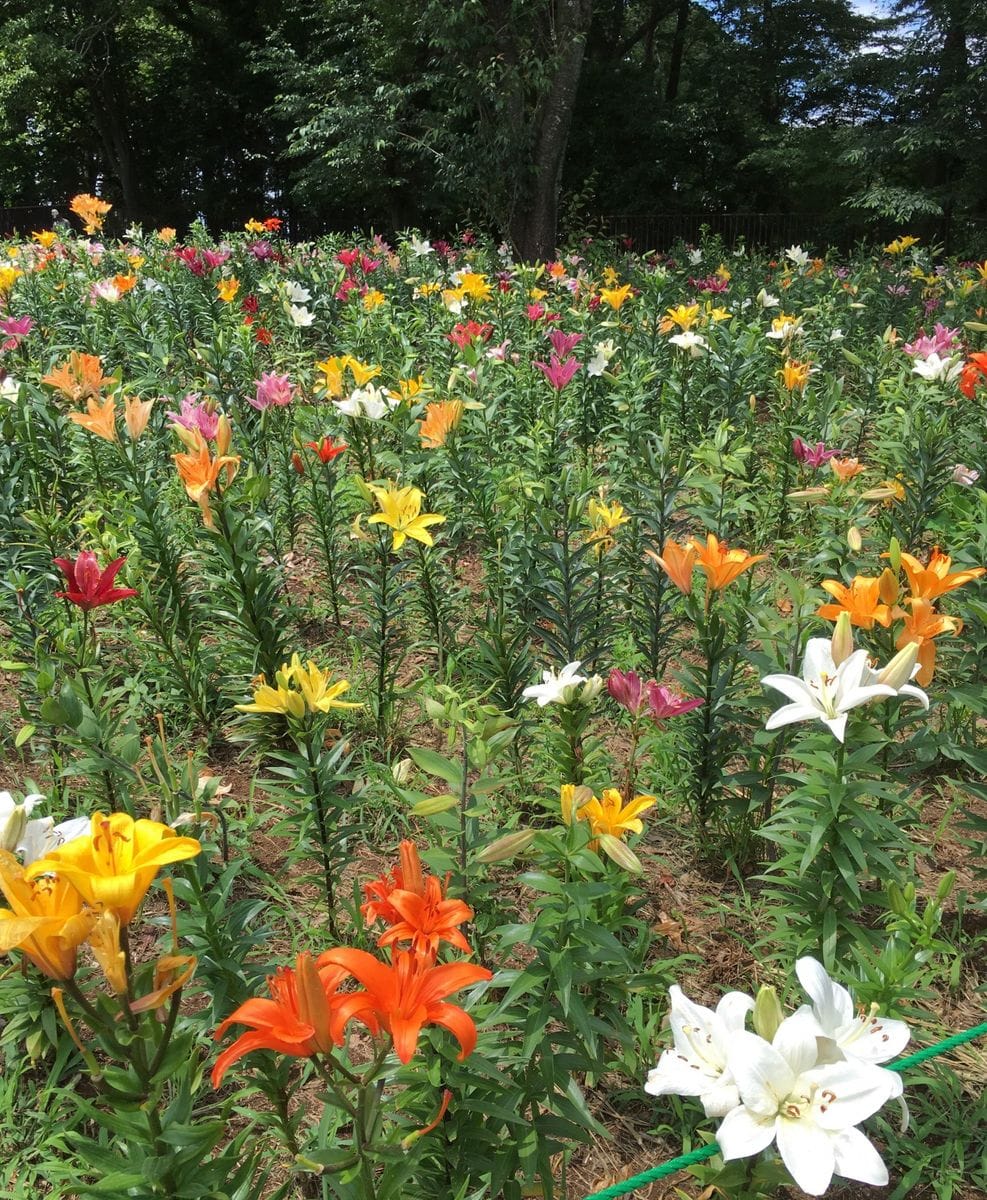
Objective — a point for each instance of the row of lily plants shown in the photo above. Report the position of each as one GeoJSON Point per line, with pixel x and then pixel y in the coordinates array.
{"type": "Point", "coordinates": [386, 624]}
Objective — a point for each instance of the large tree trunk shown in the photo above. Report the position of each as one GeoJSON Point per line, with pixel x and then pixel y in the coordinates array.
{"type": "Point", "coordinates": [534, 226]}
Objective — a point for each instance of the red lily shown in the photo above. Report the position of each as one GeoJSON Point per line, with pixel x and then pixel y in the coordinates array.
{"type": "Point", "coordinates": [87, 586]}
{"type": "Point", "coordinates": [326, 449]}
{"type": "Point", "coordinates": [404, 995]}
{"type": "Point", "coordinates": [296, 1020]}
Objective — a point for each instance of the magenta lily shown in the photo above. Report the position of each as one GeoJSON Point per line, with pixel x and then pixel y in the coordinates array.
{"type": "Point", "coordinates": [665, 703]}
{"type": "Point", "coordinates": [564, 343]}
{"type": "Point", "coordinates": [559, 374]}
{"type": "Point", "coordinates": [812, 456]}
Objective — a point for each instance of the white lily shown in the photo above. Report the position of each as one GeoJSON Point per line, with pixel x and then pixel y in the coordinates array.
{"type": "Point", "coordinates": [938, 370]}
{"type": "Point", "coordinates": [420, 247]}
{"type": "Point", "coordinates": [811, 1110]}
{"type": "Point", "coordinates": [797, 256]}
{"type": "Point", "coordinates": [369, 402]}
{"type": "Point", "coordinates": [857, 1035]}
{"type": "Point", "coordinates": [693, 342]}
{"type": "Point", "coordinates": [826, 692]}
{"type": "Point", "coordinates": [43, 835]}
{"type": "Point", "coordinates": [296, 293]}
{"type": "Point", "coordinates": [14, 816]}
{"type": "Point", "coordinates": [555, 689]}
{"type": "Point", "coordinates": [697, 1066]}
{"type": "Point", "coordinates": [300, 315]}
{"type": "Point", "coordinates": [604, 351]}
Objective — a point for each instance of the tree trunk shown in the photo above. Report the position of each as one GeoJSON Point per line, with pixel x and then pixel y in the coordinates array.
{"type": "Point", "coordinates": [534, 226]}
{"type": "Point", "coordinates": [677, 52]}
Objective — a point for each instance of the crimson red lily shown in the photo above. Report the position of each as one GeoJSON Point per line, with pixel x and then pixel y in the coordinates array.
{"type": "Point", "coordinates": [87, 586]}
{"type": "Point", "coordinates": [404, 995]}
{"type": "Point", "coordinates": [327, 449]}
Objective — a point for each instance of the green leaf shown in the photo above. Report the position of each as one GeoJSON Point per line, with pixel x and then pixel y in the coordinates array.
{"type": "Point", "coordinates": [435, 764]}
{"type": "Point", "coordinates": [24, 734]}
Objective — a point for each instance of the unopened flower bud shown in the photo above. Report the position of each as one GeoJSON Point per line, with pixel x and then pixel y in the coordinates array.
{"type": "Point", "coordinates": [945, 887]}
{"type": "Point", "coordinates": [507, 847]}
{"type": "Point", "coordinates": [768, 1014]}
{"type": "Point", "coordinates": [224, 434]}
{"type": "Point", "coordinates": [401, 771]}
{"type": "Point", "coordinates": [888, 588]}
{"type": "Point", "coordinates": [842, 642]}
{"type": "Point", "coordinates": [899, 670]}
{"type": "Point", "coordinates": [296, 462]}
{"type": "Point", "coordinates": [854, 539]}
{"type": "Point", "coordinates": [894, 555]}
{"type": "Point", "coordinates": [591, 689]}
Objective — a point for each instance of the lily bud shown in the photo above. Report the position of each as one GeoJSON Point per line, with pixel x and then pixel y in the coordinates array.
{"type": "Point", "coordinates": [507, 847]}
{"type": "Point", "coordinates": [190, 438]}
{"type": "Point", "coordinates": [946, 885]}
{"type": "Point", "coordinates": [854, 539]}
{"type": "Point", "coordinates": [591, 689]}
{"type": "Point", "coordinates": [401, 771]}
{"type": "Point", "coordinates": [888, 588]}
{"type": "Point", "coordinates": [768, 1014]}
{"type": "Point", "coordinates": [894, 555]}
{"type": "Point", "coordinates": [842, 642]}
{"type": "Point", "coordinates": [224, 435]}
{"type": "Point", "coordinates": [899, 670]}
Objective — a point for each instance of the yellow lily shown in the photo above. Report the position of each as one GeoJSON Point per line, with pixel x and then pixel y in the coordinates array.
{"type": "Point", "coordinates": [45, 920]}
{"type": "Point", "coordinates": [280, 699]}
{"type": "Point", "coordinates": [401, 509]}
{"type": "Point", "coordinates": [319, 694]}
{"type": "Point", "coordinates": [113, 867]}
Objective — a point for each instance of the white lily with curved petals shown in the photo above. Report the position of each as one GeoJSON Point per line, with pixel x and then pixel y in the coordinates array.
{"type": "Point", "coordinates": [697, 1065]}
{"type": "Point", "coordinates": [810, 1110]}
{"type": "Point", "coordinates": [555, 689]}
{"type": "Point", "coordinates": [826, 692]}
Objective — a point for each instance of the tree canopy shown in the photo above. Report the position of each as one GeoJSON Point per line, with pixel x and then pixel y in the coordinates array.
{"type": "Point", "coordinates": [512, 114]}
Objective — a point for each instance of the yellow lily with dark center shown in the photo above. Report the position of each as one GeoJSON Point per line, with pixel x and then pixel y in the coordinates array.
{"type": "Point", "coordinates": [113, 867]}
{"type": "Point", "coordinates": [401, 509]}
{"type": "Point", "coordinates": [45, 920]}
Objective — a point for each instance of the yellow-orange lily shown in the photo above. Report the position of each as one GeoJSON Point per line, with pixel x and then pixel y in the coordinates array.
{"type": "Point", "coordinates": [45, 920]}
{"type": "Point", "coordinates": [98, 418]}
{"type": "Point", "coordinates": [720, 564]}
{"type": "Point", "coordinates": [922, 624]}
{"type": "Point", "coordinates": [606, 815]}
{"type": "Point", "coordinates": [861, 600]}
{"type": "Point", "coordinates": [113, 867]}
{"type": "Point", "coordinates": [199, 472]}
{"type": "Point", "coordinates": [935, 579]}
{"type": "Point", "coordinates": [678, 563]}
{"type": "Point", "coordinates": [440, 420]}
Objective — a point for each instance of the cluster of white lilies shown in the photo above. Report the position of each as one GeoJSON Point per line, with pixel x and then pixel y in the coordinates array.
{"type": "Point", "coordinates": [805, 1081]}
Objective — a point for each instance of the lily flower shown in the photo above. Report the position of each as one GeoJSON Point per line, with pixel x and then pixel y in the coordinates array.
{"type": "Point", "coordinates": [608, 815]}
{"type": "Point", "coordinates": [318, 693]}
{"type": "Point", "coordinates": [559, 374]}
{"type": "Point", "coordinates": [326, 449]}
{"type": "Point", "coordinates": [404, 995]}
{"type": "Point", "coordinates": [678, 563]}
{"type": "Point", "coordinates": [720, 564]}
{"type": "Point", "coordinates": [861, 600]}
{"type": "Point", "coordinates": [441, 419]}
{"type": "Point", "coordinates": [401, 509]}
{"type": "Point", "coordinates": [86, 586]}
{"type": "Point", "coordinates": [99, 418]}
{"type": "Point", "coordinates": [922, 623]}
{"type": "Point", "coordinates": [295, 1021]}
{"type": "Point", "coordinates": [697, 1064]}
{"type": "Point", "coordinates": [555, 689]}
{"type": "Point", "coordinates": [935, 579]}
{"type": "Point", "coordinates": [848, 1033]}
{"type": "Point", "coordinates": [826, 692]}
{"type": "Point", "coordinates": [664, 703]}
{"type": "Point", "coordinates": [45, 920]}
{"type": "Point", "coordinates": [810, 1110]}
{"type": "Point", "coordinates": [113, 867]}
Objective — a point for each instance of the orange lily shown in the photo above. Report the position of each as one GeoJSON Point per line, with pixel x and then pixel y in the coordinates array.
{"type": "Point", "coordinates": [426, 919]}
{"type": "Point", "coordinates": [404, 995]}
{"type": "Point", "coordinates": [794, 374]}
{"type": "Point", "coordinates": [79, 378]}
{"type": "Point", "coordinates": [199, 472]}
{"type": "Point", "coordinates": [295, 1021]}
{"type": "Point", "coordinates": [406, 876]}
{"type": "Point", "coordinates": [113, 867]}
{"type": "Point", "coordinates": [99, 418]}
{"type": "Point", "coordinates": [45, 920]}
{"type": "Point", "coordinates": [136, 415]}
{"type": "Point", "coordinates": [721, 564]}
{"type": "Point", "coordinates": [440, 420]}
{"type": "Point", "coordinates": [922, 624]}
{"type": "Point", "coordinates": [90, 210]}
{"type": "Point", "coordinates": [861, 600]}
{"type": "Point", "coordinates": [926, 583]}
{"type": "Point", "coordinates": [845, 468]}
{"type": "Point", "coordinates": [678, 563]}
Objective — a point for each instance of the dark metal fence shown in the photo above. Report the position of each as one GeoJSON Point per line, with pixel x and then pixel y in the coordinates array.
{"type": "Point", "coordinates": [25, 219]}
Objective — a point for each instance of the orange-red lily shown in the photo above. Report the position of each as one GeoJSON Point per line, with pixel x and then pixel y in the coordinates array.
{"type": "Point", "coordinates": [295, 1021]}
{"type": "Point", "coordinates": [426, 920]}
{"type": "Point", "coordinates": [861, 600]}
{"type": "Point", "coordinates": [926, 583]}
{"type": "Point", "coordinates": [404, 995]}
